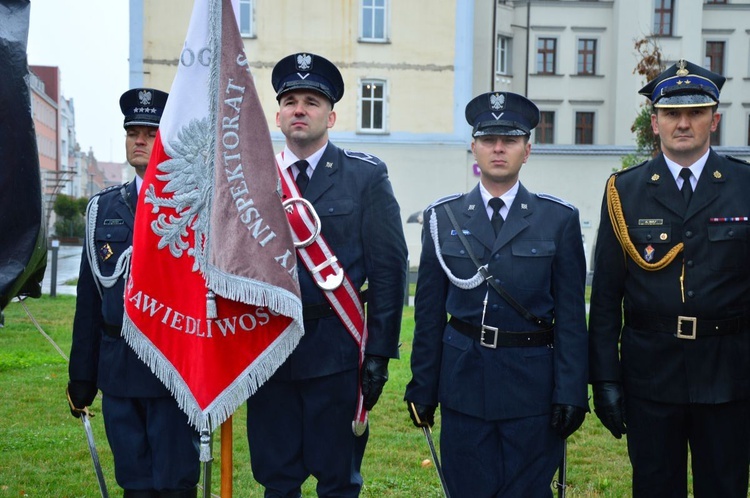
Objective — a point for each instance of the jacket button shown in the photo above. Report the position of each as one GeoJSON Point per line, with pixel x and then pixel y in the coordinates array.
{"type": "Point", "coordinates": [690, 294]}
{"type": "Point", "coordinates": [533, 251]}
{"type": "Point", "coordinates": [688, 234]}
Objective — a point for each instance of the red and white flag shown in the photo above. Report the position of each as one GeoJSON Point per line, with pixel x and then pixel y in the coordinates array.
{"type": "Point", "coordinates": [210, 221]}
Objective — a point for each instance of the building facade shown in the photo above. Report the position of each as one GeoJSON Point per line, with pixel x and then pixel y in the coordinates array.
{"type": "Point", "coordinates": [410, 70]}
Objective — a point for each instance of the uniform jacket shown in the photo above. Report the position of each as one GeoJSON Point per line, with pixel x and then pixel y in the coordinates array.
{"type": "Point", "coordinates": [538, 259]}
{"type": "Point", "coordinates": [95, 356]}
{"type": "Point", "coordinates": [659, 366]}
{"type": "Point", "coordinates": [361, 222]}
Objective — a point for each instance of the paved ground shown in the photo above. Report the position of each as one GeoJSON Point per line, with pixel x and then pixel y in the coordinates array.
{"type": "Point", "coordinates": [68, 265]}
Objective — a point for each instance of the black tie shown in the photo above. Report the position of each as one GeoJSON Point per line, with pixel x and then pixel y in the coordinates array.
{"type": "Point", "coordinates": [302, 178]}
{"type": "Point", "coordinates": [496, 204]}
{"type": "Point", "coordinates": [687, 188]}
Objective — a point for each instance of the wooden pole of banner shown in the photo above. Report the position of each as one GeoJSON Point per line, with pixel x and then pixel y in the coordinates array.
{"type": "Point", "coordinates": [226, 458]}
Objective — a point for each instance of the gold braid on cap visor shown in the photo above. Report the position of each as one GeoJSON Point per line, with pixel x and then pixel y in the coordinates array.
{"type": "Point", "coordinates": [621, 232]}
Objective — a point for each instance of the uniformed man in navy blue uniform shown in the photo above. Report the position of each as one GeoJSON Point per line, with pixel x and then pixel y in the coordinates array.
{"type": "Point", "coordinates": [155, 449]}
{"type": "Point", "coordinates": [299, 423]}
{"type": "Point", "coordinates": [509, 367]}
{"type": "Point", "coordinates": [672, 262]}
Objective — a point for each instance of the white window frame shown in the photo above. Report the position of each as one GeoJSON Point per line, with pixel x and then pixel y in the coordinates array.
{"type": "Point", "coordinates": [376, 11]}
{"type": "Point", "coordinates": [363, 99]}
{"type": "Point", "coordinates": [247, 9]}
{"type": "Point", "coordinates": [504, 50]}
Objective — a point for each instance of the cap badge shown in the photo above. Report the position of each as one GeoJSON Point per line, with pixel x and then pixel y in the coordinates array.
{"type": "Point", "coordinates": [497, 101]}
{"type": "Point", "coordinates": [304, 62]}
{"type": "Point", "coordinates": [145, 96]}
{"type": "Point", "coordinates": [681, 70]}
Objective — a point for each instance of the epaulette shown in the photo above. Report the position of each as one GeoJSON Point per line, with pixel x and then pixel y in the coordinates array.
{"type": "Point", "coordinates": [362, 156]}
{"type": "Point", "coordinates": [555, 199]}
{"type": "Point", "coordinates": [629, 168]}
{"type": "Point", "coordinates": [110, 189]}
{"type": "Point", "coordinates": [738, 160]}
{"type": "Point", "coordinates": [443, 200]}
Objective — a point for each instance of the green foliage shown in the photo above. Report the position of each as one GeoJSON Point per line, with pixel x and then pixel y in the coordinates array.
{"type": "Point", "coordinates": [70, 212]}
{"type": "Point", "coordinates": [646, 142]}
{"type": "Point", "coordinates": [66, 206]}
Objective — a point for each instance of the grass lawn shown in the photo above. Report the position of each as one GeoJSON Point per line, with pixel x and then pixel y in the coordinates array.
{"type": "Point", "coordinates": [43, 450]}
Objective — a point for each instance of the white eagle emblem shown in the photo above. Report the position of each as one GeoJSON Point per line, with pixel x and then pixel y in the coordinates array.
{"type": "Point", "coordinates": [187, 175]}
{"type": "Point", "coordinates": [497, 101]}
{"type": "Point", "coordinates": [304, 62]}
{"type": "Point", "coordinates": [144, 96]}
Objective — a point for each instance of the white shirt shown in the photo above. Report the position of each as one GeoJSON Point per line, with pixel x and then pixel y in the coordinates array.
{"type": "Point", "coordinates": [508, 198]}
{"type": "Point", "coordinates": [696, 169]}
{"type": "Point", "coordinates": [289, 159]}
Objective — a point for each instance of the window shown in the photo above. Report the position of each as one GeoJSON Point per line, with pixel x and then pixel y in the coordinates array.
{"type": "Point", "coordinates": [546, 55]}
{"type": "Point", "coordinates": [503, 55]}
{"type": "Point", "coordinates": [246, 20]}
{"type": "Point", "coordinates": [544, 133]}
{"type": "Point", "coordinates": [584, 128]}
{"type": "Point", "coordinates": [663, 17]}
{"type": "Point", "coordinates": [716, 135]}
{"type": "Point", "coordinates": [715, 56]}
{"type": "Point", "coordinates": [373, 26]}
{"type": "Point", "coordinates": [372, 106]}
{"type": "Point", "coordinates": [586, 56]}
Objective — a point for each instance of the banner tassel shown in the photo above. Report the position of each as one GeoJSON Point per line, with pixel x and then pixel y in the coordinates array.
{"type": "Point", "coordinates": [211, 311]}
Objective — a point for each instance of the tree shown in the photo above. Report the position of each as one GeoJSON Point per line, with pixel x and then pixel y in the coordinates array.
{"type": "Point", "coordinates": [649, 66]}
{"type": "Point", "coordinates": [70, 221]}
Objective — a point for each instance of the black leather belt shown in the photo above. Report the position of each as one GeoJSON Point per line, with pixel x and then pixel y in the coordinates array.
{"type": "Point", "coordinates": [491, 337]}
{"type": "Point", "coordinates": [113, 330]}
{"type": "Point", "coordinates": [686, 327]}
{"type": "Point", "coordinates": [322, 310]}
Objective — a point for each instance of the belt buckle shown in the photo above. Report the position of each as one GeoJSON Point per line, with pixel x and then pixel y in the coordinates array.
{"type": "Point", "coordinates": [686, 319]}
{"type": "Point", "coordinates": [289, 207]}
{"type": "Point", "coordinates": [485, 329]}
{"type": "Point", "coordinates": [331, 282]}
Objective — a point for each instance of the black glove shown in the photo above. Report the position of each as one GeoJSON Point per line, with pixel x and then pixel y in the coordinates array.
{"type": "Point", "coordinates": [421, 415]}
{"type": "Point", "coordinates": [609, 406]}
{"type": "Point", "coordinates": [566, 419]}
{"type": "Point", "coordinates": [80, 395]}
{"type": "Point", "coordinates": [374, 377]}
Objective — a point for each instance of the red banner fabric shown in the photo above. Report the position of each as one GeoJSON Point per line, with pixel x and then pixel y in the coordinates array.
{"type": "Point", "coordinates": [210, 221]}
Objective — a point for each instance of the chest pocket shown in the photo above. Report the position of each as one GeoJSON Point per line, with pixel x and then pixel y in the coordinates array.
{"type": "Point", "coordinates": [457, 258]}
{"type": "Point", "coordinates": [532, 263]}
{"type": "Point", "coordinates": [111, 241]}
{"type": "Point", "coordinates": [728, 246]}
{"type": "Point", "coordinates": [338, 231]}
{"type": "Point", "coordinates": [660, 234]}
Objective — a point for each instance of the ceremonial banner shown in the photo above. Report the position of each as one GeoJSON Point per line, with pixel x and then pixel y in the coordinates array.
{"type": "Point", "coordinates": [23, 251]}
{"type": "Point", "coordinates": [210, 221]}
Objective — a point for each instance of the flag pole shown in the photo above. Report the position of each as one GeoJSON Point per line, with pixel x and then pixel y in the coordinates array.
{"type": "Point", "coordinates": [226, 458]}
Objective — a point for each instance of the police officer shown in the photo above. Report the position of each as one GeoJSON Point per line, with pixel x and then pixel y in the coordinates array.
{"type": "Point", "coordinates": [509, 367]}
{"type": "Point", "coordinates": [155, 449]}
{"type": "Point", "coordinates": [299, 423]}
{"type": "Point", "coordinates": [672, 261]}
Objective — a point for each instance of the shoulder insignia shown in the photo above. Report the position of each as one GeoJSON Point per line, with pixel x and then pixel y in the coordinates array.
{"type": "Point", "coordinates": [556, 199]}
{"type": "Point", "coordinates": [109, 189]}
{"type": "Point", "coordinates": [443, 200]}
{"type": "Point", "coordinates": [362, 156]}
{"type": "Point", "coordinates": [738, 160]}
{"type": "Point", "coordinates": [631, 168]}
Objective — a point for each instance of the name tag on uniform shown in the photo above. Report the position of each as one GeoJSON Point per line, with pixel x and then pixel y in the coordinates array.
{"type": "Point", "coordinates": [118, 221]}
{"type": "Point", "coordinates": [650, 222]}
{"type": "Point", "coordinates": [465, 232]}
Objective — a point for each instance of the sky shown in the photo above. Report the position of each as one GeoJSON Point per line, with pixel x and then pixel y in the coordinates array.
{"type": "Point", "coordinates": [88, 40]}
